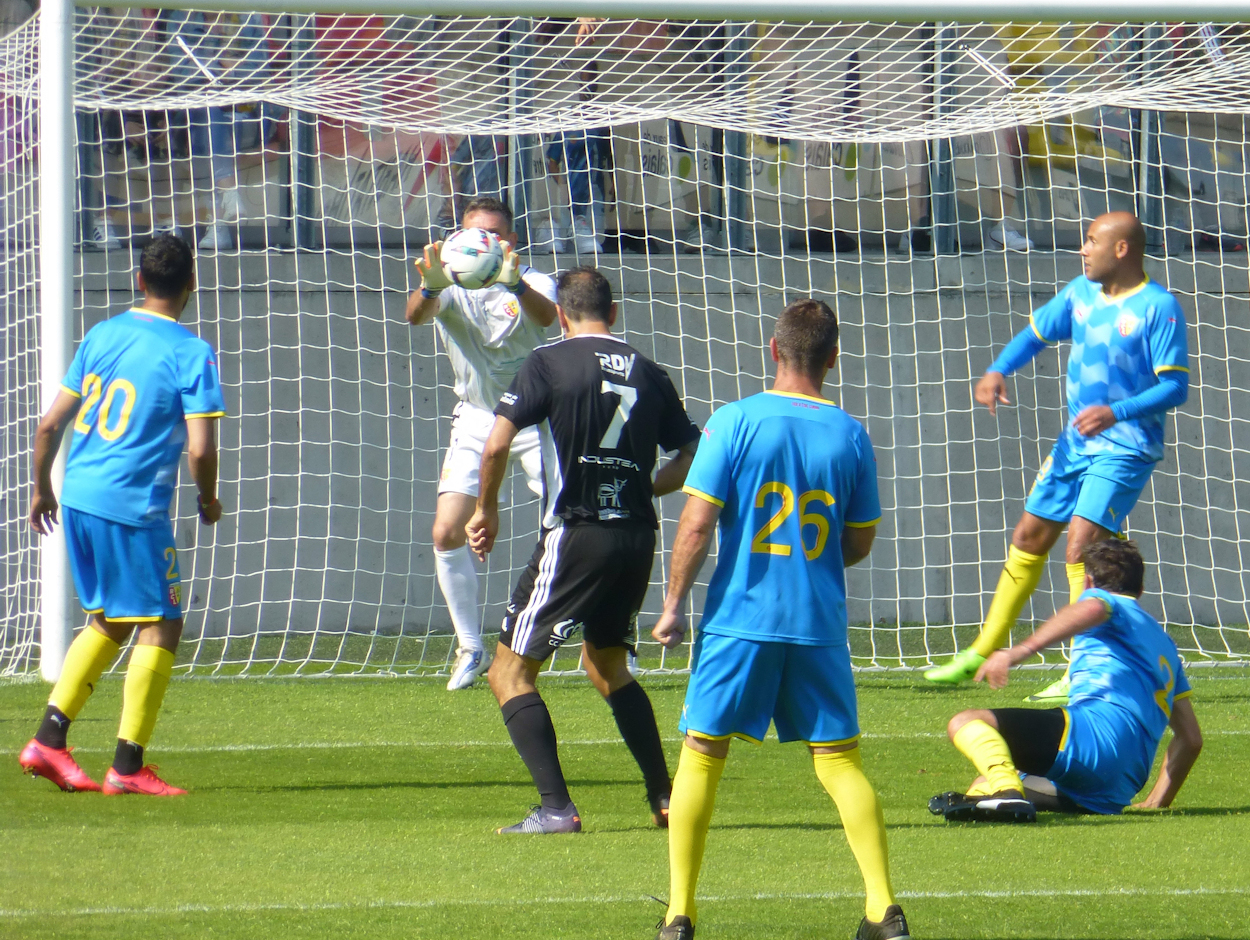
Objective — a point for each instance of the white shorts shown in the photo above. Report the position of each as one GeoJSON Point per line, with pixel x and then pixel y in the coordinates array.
{"type": "Point", "coordinates": [470, 427]}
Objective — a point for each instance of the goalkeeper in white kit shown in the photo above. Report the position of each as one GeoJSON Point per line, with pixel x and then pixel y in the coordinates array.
{"type": "Point", "coordinates": [487, 334]}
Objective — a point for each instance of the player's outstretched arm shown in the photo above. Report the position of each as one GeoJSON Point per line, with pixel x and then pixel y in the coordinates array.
{"type": "Point", "coordinates": [484, 525]}
{"type": "Point", "coordinates": [1181, 754]}
{"type": "Point", "coordinates": [538, 307]}
{"type": "Point", "coordinates": [991, 391]}
{"type": "Point", "coordinates": [1065, 624]}
{"type": "Point", "coordinates": [423, 303]}
{"type": "Point", "coordinates": [690, 548]}
{"type": "Point", "coordinates": [43, 504]}
{"type": "Point", "coordinates": [202, 459]}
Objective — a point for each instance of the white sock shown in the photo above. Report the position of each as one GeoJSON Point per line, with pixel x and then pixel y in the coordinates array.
{"type": "Point", "coordinates": [457, 578]}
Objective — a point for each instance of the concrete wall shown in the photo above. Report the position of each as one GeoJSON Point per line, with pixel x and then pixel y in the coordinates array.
{"type": "Point", "coordinates": [338, 415]}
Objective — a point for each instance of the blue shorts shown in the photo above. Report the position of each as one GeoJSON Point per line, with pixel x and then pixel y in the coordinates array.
{"type": "Point", "coordinates": [738, 686]}
{"type": "Point", "coordinates": [126, 573]}
{"type": "Point", "coordinates": [1104, 758]}
{"type": "Point", "coordinates": [1102, 488]}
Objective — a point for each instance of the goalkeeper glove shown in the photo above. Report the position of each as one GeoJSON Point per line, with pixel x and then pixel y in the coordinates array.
{"type": "Point", "coordinates": [434, 279]}
{"type": "Point", "coordinates": [510, 272]}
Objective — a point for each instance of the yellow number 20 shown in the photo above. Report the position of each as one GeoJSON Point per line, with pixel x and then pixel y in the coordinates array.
{"type": "Point", "coordinates": [92, 387]}
{"type": "Point", "coordinates": [760, 543]}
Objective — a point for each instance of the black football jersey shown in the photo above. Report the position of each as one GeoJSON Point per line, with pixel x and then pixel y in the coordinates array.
{"type": "Point", "coordinates": [601, 408]}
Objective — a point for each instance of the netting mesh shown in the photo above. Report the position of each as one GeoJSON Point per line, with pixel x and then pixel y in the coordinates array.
{"type": "Point", "coordinates": [931, 182]}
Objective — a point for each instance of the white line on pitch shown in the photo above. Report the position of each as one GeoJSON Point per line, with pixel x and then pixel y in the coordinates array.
{"type": "Point", "coordinates": [590, 742]}
{"type": "Point", "coordinates": [618, 899]}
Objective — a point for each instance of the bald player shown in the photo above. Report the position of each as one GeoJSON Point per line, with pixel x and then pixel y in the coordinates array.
{"type": "Point", "coordinates": [1129, 364]}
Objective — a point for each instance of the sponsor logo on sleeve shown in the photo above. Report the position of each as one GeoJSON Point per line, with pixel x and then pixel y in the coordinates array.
{"type": "Point", "coordinates": [508, 399]}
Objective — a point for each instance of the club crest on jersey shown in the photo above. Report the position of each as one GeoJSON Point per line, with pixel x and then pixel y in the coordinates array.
{"type": "Point", "coordinates": [616, 364]}
{"type": "Point", "coordinates": [511, 307]}
{"type": "Point", "coordinates": [175, 595]}
{"type": "Point", "coordinates": [1127, 324]}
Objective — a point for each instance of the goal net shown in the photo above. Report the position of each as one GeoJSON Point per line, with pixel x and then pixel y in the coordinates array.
{"type": "Point", "coordinates": [930, 181]}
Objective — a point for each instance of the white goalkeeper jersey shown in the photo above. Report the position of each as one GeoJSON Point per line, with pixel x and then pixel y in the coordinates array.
{"type": "Point", "coordinates": [488, 336]}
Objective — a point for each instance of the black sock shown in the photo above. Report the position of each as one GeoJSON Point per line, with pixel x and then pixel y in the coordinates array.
{"type": "Point", "coordinates": [54, 728]}
{"type": "Point", "coordinates": [534, 736]}
{"type": "Point", "coordinates": [636, 720]}
{"type": "Point", "coordinates": [128, 758]}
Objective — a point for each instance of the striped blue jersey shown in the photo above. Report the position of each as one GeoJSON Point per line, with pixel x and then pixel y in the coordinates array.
{"type": "Point", "coordinates": [140, 375]}
{"type": "Point", "coordinates": [790, 471]}
{"type": "Point", "coordinates": [1119, 347]}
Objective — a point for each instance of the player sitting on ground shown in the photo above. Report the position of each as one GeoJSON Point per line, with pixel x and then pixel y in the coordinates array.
{"type": "Point", "coordinates": [792, 480]}
{"type": "Point", "coordinates": [141, 387]}
{"type": "Point", "coordinates": [601, 408]}
{"type": "Point", "coordinates": [1096, 754]}
{"type": "Point", "coordinates": [1128, 366]}
{"type": "Point", "coordinates": [487, 334]}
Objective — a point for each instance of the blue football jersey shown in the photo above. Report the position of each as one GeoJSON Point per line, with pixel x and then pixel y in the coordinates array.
{"type": "Point", "coordinates": [1126, 676]}
{"type": "Point", "coordinates": [140, 376]}
{"type": "Point", "coordinates": [1119, 346]}
{"type": "Point", "coordinates": [789, 471]}
{"type": "Point", "coordinates": [1129, 662]}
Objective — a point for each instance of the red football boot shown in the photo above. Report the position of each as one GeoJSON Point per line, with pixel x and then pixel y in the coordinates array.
{"type": "Point", "coordinates": [143, 781]}
{"type": "Point", "coordinates": [57, 765]}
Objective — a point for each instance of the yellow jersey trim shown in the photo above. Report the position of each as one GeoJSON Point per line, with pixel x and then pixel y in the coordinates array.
{"type": "Point", "coordinates": [704, 496]}
{"type": "Point", "coordinates": [862, 525]}
{"type": "Point", "coordinates": [97, 610]}
{"type": "Point", "coordinates": [152, 313]}
{"type": "Point", "coordinates": [133, 619]}
{"type": "Point", "coordinates": [1120, 298]}
{"type": "Point", "coordinates": [70, 391]}
{"type": "Point", "coordinates": [207, 414]}
{"type": "Point", "coordinates": [723, 737]}
{"type": "Point", "coordinates": [1171, 369]}
{"type": "Point", "coordinates": [823, 401]}
{"type": "Point", "coordinates": [854, 740]}
{"type": "Point", "coordinates": [1067, 726]}
{"type": "Point", "coordinates": [1181, 695]}
{"type": "Point", "coordinates": [1033, 327]}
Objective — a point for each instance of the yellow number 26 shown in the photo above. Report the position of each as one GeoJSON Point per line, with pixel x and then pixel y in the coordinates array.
{"type": "Point", "coordinates": [762, 545]}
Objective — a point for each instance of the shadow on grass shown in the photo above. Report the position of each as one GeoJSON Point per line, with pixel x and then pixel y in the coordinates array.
{"type": "Point", "coordinates": [404, 785]}
{"type": "Point", "coordinates": [816, 826]}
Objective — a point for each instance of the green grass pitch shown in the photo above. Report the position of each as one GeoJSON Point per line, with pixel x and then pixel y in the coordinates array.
{"type": "Point", "coordinates": [366, 808]}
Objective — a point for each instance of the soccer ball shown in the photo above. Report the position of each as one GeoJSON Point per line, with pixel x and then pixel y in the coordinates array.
{"type": "Point", "coordinates": [472, 258]}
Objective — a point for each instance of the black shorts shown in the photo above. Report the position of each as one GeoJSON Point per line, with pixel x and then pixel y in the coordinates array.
{"type": "Point", "coordinates": [588, 578]}
{"type": "Point", "coordinates": [1034, 736]}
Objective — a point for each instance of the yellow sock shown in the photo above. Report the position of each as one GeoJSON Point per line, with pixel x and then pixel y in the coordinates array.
{"type": "Point", "coordinates": [689, 815]}
{"type": "Point", "coordinates": [85, 661]}
{"type": "Point", "coordinates": [985, 747]}
{"type": "Point", "coordinates": [842, 776]}
{"type": "Point", "coordinates": [1018, 580]}
{"type": "Point", "coordinates": [147, 677]}
{"type": "Point", "coordinates": [1076, 581]}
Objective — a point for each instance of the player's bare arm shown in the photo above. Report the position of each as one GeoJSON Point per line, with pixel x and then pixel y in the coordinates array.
{"type": "Point", "coordinates": [1181, 755]}
{"type": "Point", "coordinates": [857, 543]}
{"type": "Point", "coordinates": [484, 526]}
{"type": "Point", "coordinates": [991, 391]}
{"type": "Point", "coordinates": [202, 461]}
{"type": "Point", "coordinates": [1065, 624]}
{"type": "Point", "coordinates": [43, 504]}
{"type": "Point", "coordinates": [423, 303]}
{"type": "Point", "coordinates": [690, 548]}
{"type": "Point", "coordinates": [670, 477]}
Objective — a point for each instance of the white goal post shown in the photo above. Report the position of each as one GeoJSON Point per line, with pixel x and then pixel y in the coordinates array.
{"type": "Point", "coordinates": [868, 153]}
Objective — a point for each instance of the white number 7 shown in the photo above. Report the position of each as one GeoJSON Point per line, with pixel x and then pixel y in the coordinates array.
{"type": "Point", "coordinates": [629, 395]}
